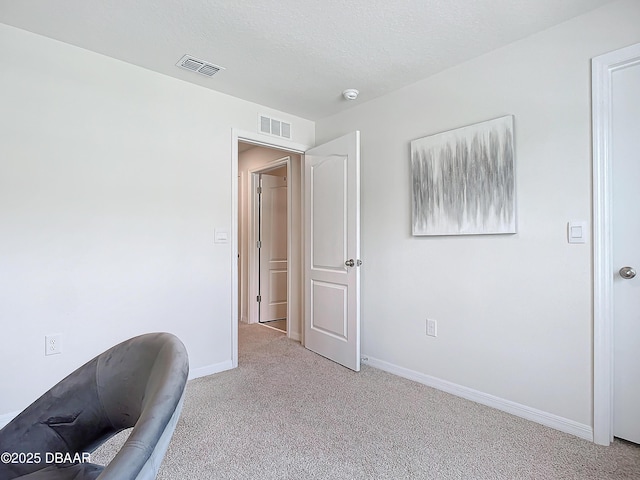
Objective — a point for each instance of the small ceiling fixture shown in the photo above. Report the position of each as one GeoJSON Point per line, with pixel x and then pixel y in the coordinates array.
{"type": "Point", "coordinates": [350, 94]}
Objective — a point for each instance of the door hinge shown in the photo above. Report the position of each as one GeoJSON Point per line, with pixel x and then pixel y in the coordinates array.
{"type": "Point", "coordinates": [259, 190]}
{"type": "Point", "coordinates": [259, 298]}
{"type": "Point", "coordinates": [259, 244]}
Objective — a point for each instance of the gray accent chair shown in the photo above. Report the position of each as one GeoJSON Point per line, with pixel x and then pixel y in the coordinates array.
{"type": "Point", "coordinates": [139, 383]}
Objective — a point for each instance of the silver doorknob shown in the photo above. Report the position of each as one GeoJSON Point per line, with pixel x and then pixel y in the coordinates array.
{"type": "Point", "coordinates": [350, 263]}
{"type": "Point", "coordinates": [627, 273]}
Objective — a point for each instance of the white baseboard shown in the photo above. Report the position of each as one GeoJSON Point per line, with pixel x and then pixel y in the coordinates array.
{"type": "Point", "coordinates": [548, 419]}
{"type": "Point", "coordinates": [7, 417]}
{"type": "Point", "coordinates": [210, 369]}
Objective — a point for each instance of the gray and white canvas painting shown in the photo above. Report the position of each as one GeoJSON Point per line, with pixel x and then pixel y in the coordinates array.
{"type": "Point", "coordinates": [464, 180]}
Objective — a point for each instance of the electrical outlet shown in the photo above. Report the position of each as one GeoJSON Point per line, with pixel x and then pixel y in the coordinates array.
{"type": "Point", "coordinates": [53, 344]}
{"type": "Point", "coordinates": [432, 327]}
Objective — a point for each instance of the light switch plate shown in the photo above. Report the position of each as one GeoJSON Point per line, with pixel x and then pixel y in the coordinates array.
{"type": "Point", "coordinates": [221, 235]}
{"type": "Point", "coordinates": [577, 231]}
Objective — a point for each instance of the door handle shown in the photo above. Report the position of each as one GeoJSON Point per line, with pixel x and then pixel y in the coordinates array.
{"type": "Point", "coordinates": [351, 262]}
{"type": "Point", "coordinates": [627, 272]}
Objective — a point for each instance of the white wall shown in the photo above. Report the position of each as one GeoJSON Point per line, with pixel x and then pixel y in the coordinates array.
{"type": "Point", "coordinates": [514, 312]}
{"type": "Point", "coordinates": [252, 160]}
{"type": "Point", "coordinates": [112, 180]}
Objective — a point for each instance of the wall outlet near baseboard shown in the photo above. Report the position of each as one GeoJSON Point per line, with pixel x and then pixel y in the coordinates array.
{"type": "Point", "coordinates": [432, 327]}
{"type": "Point", "coordinates": [53, 344]}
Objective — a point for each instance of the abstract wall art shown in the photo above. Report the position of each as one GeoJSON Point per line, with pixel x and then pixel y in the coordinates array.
{"type": "Point", "coordinates": [464, 180]}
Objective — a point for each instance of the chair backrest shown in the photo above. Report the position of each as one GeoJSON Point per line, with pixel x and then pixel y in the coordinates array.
{"type": "Point", "coordinates": [138, 383]}
{"type": "Point", "coordinates": [158, 399]}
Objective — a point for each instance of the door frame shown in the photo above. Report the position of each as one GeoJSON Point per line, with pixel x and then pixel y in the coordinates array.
{"type": "Point", "coordinates": [602, 69]}
{"type": "Point", "coordinates": [257, 139]}
{"type": "Point", "coordinates": [254, 263]}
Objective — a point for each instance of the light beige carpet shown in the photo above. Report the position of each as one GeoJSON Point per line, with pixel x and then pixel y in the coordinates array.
{"type": "Point", "coordinates": [287, 413]}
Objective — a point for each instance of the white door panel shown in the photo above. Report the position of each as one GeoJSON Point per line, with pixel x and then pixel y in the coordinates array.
{"type": "Point", "coordinates": [332, 237]}
{"type": "Point", "coordinates": [626, 251]}
{"type": "Point", "coordinates": [329, 309]}
{"type": "Point", "coordinates": [329, 198]}
{"type": "Point", "coordinates": [273, 250]}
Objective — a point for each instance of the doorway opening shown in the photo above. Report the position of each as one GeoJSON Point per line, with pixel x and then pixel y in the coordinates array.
{"type": "Point", "coordinates": [270, 237]}
{"type": "Point", "coordinates": [325, 237]}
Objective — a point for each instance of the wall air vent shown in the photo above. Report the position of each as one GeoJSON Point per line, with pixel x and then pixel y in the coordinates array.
{"type": "Point", "coordinates": [199, 66]}
{"type": "Point", "coordinates": [273, 126]}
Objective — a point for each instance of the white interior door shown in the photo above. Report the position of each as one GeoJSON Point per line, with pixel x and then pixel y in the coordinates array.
{"type": "Point", "coordinates": [273, 248]}
{"type": "Point", "coordinates": [626, 251]}
{"type": "Point", "coordinates": [332, 250]}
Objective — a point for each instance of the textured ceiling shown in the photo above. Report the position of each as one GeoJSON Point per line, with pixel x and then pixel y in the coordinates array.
{"type": "Point", "coordinates": [294, 55]}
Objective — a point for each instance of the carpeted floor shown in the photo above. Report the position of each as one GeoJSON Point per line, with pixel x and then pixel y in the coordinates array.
{"type": "Point", "coordinates": [287, 413]}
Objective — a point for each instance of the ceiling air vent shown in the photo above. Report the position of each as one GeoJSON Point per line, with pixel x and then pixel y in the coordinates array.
{"type": "Point", "coordinates": [273, 126]}
{"type": "Point", "coordinates": [199, 66]}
